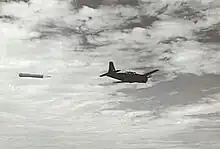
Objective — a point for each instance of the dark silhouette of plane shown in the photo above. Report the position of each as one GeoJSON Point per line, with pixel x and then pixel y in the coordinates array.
{"type": "Point", "coordinates": [128, 76]}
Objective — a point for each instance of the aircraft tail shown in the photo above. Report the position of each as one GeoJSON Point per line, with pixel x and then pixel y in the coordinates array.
{"type": "Point", "coordinates": [148, 74]}
{"type": "Point", "coordinates": [111, 68]}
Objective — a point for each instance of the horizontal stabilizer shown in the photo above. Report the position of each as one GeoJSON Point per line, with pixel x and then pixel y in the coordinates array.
{"type": "Point", "coordinates": [102, 75]}
{"type": "Point", "coordinates": [117, 70]}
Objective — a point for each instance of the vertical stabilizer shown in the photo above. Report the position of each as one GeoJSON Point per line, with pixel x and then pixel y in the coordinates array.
{"type": "Point", "coordinates": [111, 67]}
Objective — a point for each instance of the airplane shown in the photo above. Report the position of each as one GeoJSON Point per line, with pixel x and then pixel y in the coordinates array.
{"type": "Point", "coordinates": [129, 76]}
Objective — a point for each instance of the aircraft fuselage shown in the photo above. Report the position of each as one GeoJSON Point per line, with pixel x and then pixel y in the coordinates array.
{"type": "Point", "coordinates": [128, 77]}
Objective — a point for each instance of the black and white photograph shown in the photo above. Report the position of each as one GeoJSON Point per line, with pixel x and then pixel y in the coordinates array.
{"type": "Point", "coordinates": [110, 74]}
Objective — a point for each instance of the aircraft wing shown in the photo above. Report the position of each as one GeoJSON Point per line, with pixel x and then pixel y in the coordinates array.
{"type": "Point", "coordinates": [151, 72]}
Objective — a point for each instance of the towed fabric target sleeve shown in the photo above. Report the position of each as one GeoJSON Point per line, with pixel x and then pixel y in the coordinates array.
{"type": "Point", "coordinates": [32, 75]}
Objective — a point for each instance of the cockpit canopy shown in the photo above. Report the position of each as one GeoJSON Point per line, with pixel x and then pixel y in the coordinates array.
{"type": "Point", "coordinates": [130, 72]}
